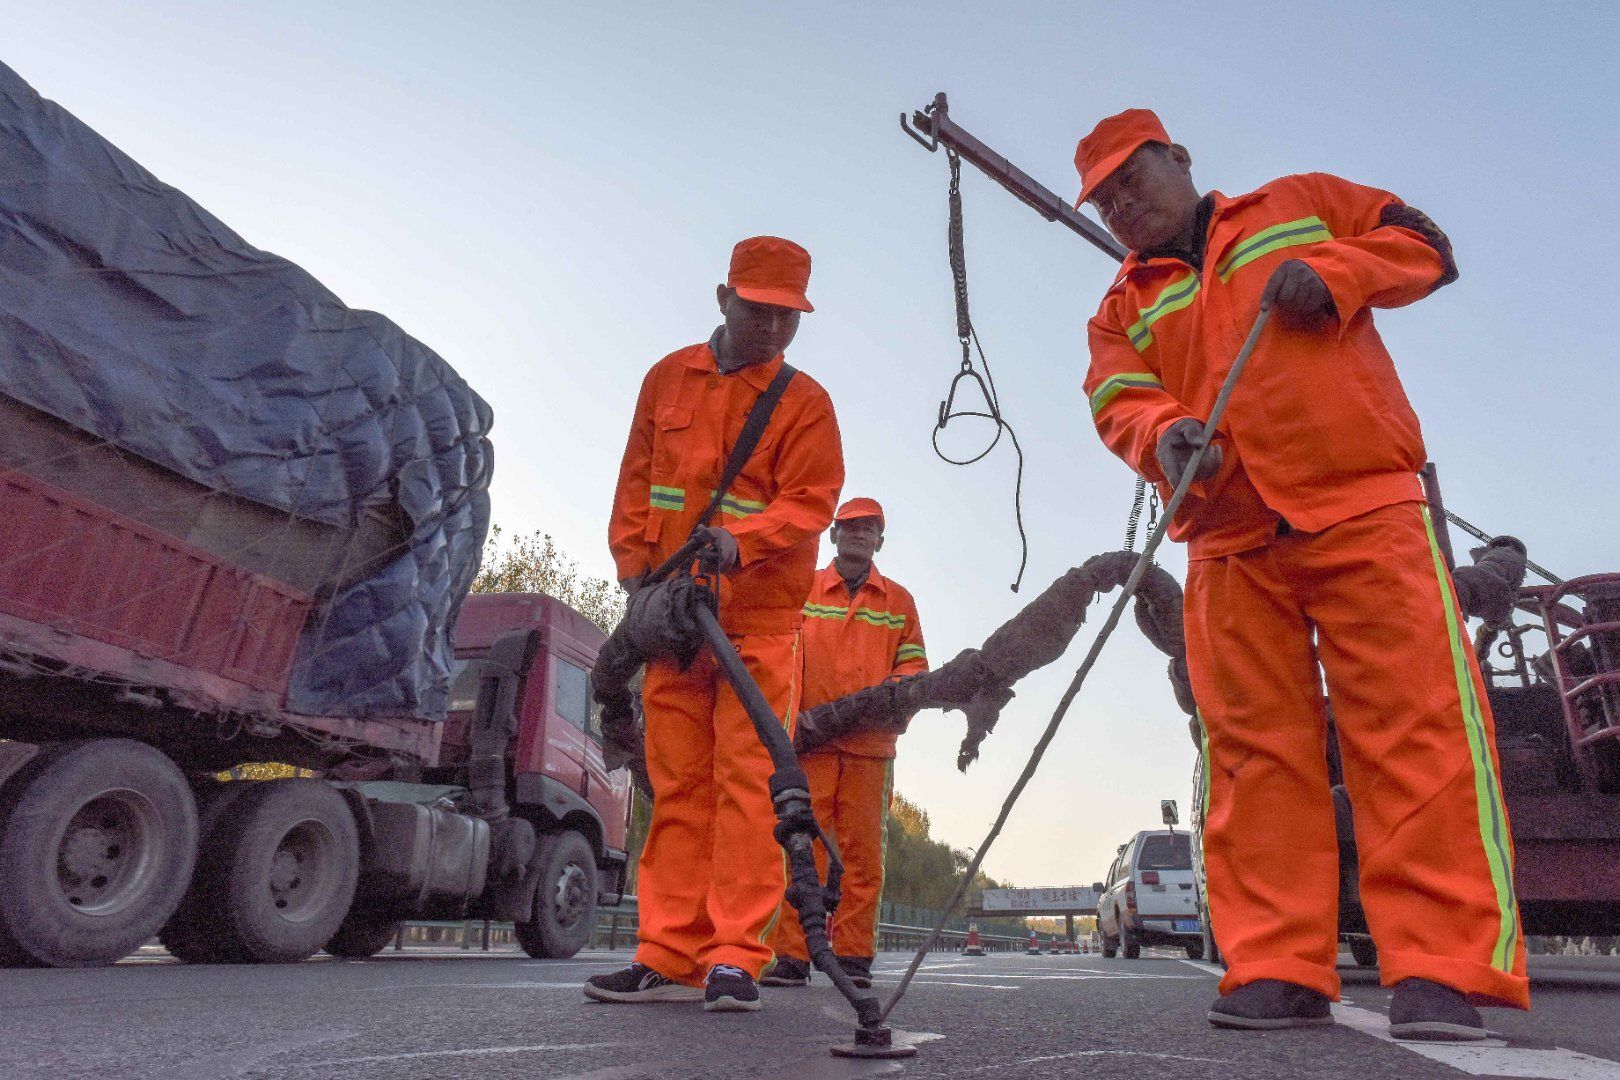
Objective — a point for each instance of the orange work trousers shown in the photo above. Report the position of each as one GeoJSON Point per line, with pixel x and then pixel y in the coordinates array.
{"type": "Point", "coordinates": [850, 796]}
{"type": "Point", "coordinates": [711, 875]}
{"type": "Point", "coordinates": [1369, 603]}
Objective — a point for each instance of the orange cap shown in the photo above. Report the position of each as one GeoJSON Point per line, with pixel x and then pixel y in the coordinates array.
{"type": "Point", "coordinates": [859, 508]}
{"type": "Point", "coordinates": [770, 270]}
{"type": "Point", "coordinates": [1112, 141]}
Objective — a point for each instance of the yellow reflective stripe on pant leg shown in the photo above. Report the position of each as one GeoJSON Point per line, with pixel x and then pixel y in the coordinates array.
{"type": "Point", "coordinates": [883, 855]}
{"type": "Point", "coordinates": [1493, 827]}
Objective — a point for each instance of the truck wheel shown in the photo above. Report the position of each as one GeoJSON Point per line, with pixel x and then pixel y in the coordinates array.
{"type": "Point", "coordinates": [1364, 951]}
{"type": "Point", "coordinates": [97, 843]}
{"type": "Point", "coordinates": [280, 872]}
{"type": "Point", "coordinates": [1110, 948]}
{"type": "Point", "coordinates": [1129, 945]}
{"type": "Point", "coordinates": [195, 934]}
{"type": "Point", "coordinates": [564, 901]}
{"type": "Point", "coordinates": [363, 934]}
{"type": "Point", "coordinates": [1195, 949]}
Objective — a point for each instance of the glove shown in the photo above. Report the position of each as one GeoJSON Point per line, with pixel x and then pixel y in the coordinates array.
{"type": "Point", "coordinates": [726, 545]}
{"type": "Point", "coordinates": [1176, 448]}
{"type": "Point", "coordinates": [1299, 296]}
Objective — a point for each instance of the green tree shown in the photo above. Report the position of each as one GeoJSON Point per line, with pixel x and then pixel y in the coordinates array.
{"type": "Point", "coordinates": [532, 563]}
{"type": "Point", "coordinates": [920, 871]}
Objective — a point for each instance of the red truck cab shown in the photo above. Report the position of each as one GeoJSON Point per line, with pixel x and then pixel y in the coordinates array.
{"type": "Point", "coordinates": [556, 777]}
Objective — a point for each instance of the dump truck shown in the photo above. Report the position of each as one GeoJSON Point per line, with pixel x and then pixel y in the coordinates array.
{"type": "Point", "coordinates": [240, 520]}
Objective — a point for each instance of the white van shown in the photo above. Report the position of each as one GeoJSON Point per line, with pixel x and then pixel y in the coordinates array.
{"type": "Point", "coordinates": [1148, 898]}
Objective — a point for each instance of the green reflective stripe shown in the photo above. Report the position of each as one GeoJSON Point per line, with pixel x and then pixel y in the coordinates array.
{"type": "Point", "coordinates": [1175, 296]}
{"type": "Point", "coordinates": [888, 619]}
{"type": "Point", "coordinates": [824, 611]}
{"type": "Point", "coordinates": [1493, 828]}
{"type": "Point", "coordinates": [738, 507]}
{"type": "Point", "coordinates": [668, 498]}
{"type": "Point", "coordinates": [1203, 748]}
{"type": "Point", "coordinates": [910, 652]}
{"type": "Point", "coordinates": [883, 856]}
{"type": "Point", "coordinates": [1115, 385]}
{"type": "Point", "coordinates": [1307, 230]}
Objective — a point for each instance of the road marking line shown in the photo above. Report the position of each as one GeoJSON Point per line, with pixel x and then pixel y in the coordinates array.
{"type": "Point", "coordinates": [478, 1052]}
{"type": "Point", "coordinates": [941, 982]}
{"type": "Point", "coordinates": [1204, 966]}
{"type": "Point", "coordinates": [1160, 1056]}
{"type": "Point", "coordinates": [1493, 1057]}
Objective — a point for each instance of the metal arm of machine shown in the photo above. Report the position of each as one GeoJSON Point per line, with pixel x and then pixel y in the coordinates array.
{"type": "Point", "coordinates": [932, 127]}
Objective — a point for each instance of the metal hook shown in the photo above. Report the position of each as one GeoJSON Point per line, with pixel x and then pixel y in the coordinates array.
{"type": "Point", "coordinates": [929, 144]}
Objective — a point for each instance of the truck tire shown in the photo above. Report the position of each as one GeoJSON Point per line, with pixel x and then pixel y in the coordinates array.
{"type": "Point", "coordinates": [564, 899]}
{"type": "Point", "coordinates": [97, 843]}
{"type": "Point", "coordinates": [196, 933]}
{"type": "Point", "coordinates": [1195, 949]}
{"type": "Point", "coordinates": [363, 934]}
{"type": "Point", "coordinates": [1129, 945]}
{"type": "Point", "coordinates": [1364, 951]}
{"type": "Point", "coordinates": [1110, 947]}
{"type": "Point", "coordinates": [279, 875]}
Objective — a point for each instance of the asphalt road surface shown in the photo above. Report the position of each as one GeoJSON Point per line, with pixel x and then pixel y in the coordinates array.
{"type": "Point", "coordinates": [452, 1014]}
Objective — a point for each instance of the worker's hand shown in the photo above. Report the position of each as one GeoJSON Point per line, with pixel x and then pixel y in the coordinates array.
{"type": "Point", "coordinates": [1176, 448]}
{"type": "Point", "coordinates": [726, 545]}
{"type": "Point", "coordinates": [1299, 296]}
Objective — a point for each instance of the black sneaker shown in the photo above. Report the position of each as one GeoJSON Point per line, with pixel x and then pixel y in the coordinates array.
{"type": "Point", "coordinates": [787, 972]}
{"type": "Point", "coordinates": [729, 989]}
{"type": "Point", "coordinates": [638, 984]}
{"type": "Point", "coordinates": [1420, 1009]}
{"type": "Point", "coordinates": [859, 970]}
{"type": "Point", "coordinates": [1267, 1004]}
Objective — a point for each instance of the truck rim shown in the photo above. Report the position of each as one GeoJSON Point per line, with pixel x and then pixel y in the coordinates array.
{"type": "Point", "coordinates": [571, 900]}
{"type": "Point", "coordinates": [303, 864]}
{"type": "Point", "coordinates": [109, 853]}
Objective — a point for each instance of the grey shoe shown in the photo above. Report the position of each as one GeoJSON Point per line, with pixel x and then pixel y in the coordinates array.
{"type": "Point", "coordinates": [730, 989]}
{"type": "Point", "coordinates": [1269, 1004]}
{"type": "Point", "coordinates": [1420, 1009]}
{"type": "Point", "coordinates": [787, 972]}
{"type": "Point", "coordinates": [638, 984]}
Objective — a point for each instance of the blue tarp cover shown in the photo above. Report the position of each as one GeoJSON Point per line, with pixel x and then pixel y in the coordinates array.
{"type": "Point", "coordinates": [132, 313]}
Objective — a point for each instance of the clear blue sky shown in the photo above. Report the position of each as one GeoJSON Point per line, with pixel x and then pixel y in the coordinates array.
{"type": "Point", "coordinates": [547, 193]}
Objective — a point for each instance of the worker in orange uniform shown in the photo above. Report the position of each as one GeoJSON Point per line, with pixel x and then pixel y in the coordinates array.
{"type": "Point", "coordinates": [1310, 548]}
{"type": "Point", "coordinates": [711, 874]}
{"type": "Point", "coordinates": [860, 629]}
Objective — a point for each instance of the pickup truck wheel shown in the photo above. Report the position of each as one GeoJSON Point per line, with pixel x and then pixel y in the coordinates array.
{"type": "Point", "coordinates": [564, 901]}
{"type": "Point", "coordinates": [285, 862]}
{"type": "Point", "coordinates": [1110, 948]}
{"type": "Point", "coordinates": [1364, 951]}
{"type": "Point", "coordinates": [1195, 949]}
{"type": "Point", "coordinates": [1129, 945]}
{"type": "Point", "coordinates": [97, 843]}
{"type": "Point", "coordinates": [363, 934]}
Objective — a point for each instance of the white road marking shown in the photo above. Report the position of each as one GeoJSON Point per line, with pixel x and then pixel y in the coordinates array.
{"type": "Point", "coordinates": [920, 981]}
{"type": "Point", "coordinates": [477, 986]}
{"type": "Point", "coordinates": [1492, 1057]}
{"type": "Point", "coordinates": [1206, 967]}
{"type": "Point", "coordinates": [540, 1048]}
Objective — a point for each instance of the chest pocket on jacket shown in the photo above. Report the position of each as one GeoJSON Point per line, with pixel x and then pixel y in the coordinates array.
{"type": "Point", "coordinates": [670, 426]}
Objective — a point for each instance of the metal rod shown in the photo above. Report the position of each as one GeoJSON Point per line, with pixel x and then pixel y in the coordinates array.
{"type": "Point", "coordinates": [1484, 537]}
{"type": "Point", "coordinates": [1430, 477]}
{"type": "Point", "coordinates": [935, 121]}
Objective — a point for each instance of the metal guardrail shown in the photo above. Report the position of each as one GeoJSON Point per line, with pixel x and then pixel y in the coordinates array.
{"type": "Point", "coordinates": [617, 925]}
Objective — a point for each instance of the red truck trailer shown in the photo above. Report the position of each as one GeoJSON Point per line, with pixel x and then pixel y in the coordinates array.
{"type": "Point", "coordinates": [134, 667]}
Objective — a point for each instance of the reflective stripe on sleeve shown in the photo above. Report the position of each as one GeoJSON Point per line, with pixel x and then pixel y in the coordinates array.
{"type": "Point", "coordinates": [910, 652]}
{"type": "Point", "coordinates": [738, 507]}
{"type": "Point", "coordinates": [1114, 385]}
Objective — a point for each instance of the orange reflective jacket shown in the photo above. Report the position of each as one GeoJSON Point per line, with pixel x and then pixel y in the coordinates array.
{"type": "Point", "coordinates": [1318, 429]}
{"type": "Point", "coordinates": [687, 418]}
{"type": "Point", "coordinates": [852, 642]}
